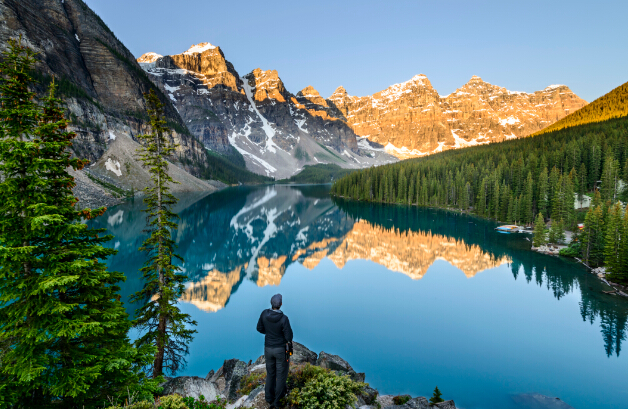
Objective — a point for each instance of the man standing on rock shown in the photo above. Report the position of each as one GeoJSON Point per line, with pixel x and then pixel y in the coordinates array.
{"type": "Point", "coordinates": [276, 326]}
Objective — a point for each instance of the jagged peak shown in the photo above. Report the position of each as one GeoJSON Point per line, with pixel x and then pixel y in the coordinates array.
{"type": "Point", "coordinates": [339, 92]}
{"type": "Point", "coordinates": [475, 78]}
{"type": "Point", "coordinates": [309, 92]}
{"type": "Point", "coordinates": [199, 48]}
{"type": "Point", "coordinates": [149, 57]}
{"type": "Point", "coordinates": [259, 73]}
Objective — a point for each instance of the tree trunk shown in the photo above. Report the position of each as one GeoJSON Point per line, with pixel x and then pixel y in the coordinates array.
{"type": "Point", "coordinates": [161, 327]}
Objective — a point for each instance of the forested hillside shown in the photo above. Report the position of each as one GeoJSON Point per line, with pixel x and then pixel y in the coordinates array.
{"type": "Point", "coordinates": [609, 106]}
{"type": "Point", "coordinates": [508, 181]}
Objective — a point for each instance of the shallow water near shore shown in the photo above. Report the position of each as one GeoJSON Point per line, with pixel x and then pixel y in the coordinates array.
{"type": "Point", "coordinates": [413, 297]}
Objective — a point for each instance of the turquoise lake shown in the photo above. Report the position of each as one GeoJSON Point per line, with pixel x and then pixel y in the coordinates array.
{"type": "Point", "coordinates": [413, 297]}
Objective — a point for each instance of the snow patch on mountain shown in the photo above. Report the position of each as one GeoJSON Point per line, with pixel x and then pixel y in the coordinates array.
{"type": "Point", "coordinates": [199, 48]}
{"type": "Point", "coordinates": [268, 129]}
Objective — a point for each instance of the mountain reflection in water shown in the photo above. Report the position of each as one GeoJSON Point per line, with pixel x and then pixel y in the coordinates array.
{"type": "Point", "coordinates": [256, 233]}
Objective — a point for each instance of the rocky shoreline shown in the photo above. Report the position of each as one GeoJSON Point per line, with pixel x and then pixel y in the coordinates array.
{"type": "Point", "coordinates": [225, 383]}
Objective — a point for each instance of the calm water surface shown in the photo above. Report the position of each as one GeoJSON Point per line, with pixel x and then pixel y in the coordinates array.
{"type": "Point", "coordinates": [413, 297]}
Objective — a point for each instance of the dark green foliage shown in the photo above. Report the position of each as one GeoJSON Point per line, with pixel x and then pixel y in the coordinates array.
{"type": "Point", "coordinates": [401, 399]}
{"type": "Point", "coordinates": [159, 320]}
{"type": "Point", "coordinates": [229, 169]}
{"type": "Point", "coordinates": [313, 387]}
{"type": "Point", "coordinates": [540, 232]}
{"type": "Point", "coordinates": [321, 173]}
{"type": "Point", "coordinates": [201, 403]}
{"type": "Point", "coordinates": [436, 397]}
{"type": "Point", "coordinates": [63, 330]}
{"type": "Point", "coordinates": [572, 251]}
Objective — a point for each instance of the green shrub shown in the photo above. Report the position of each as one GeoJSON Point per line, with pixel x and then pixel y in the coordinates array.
{"type": "Point", "coordinates": [250, 382]}
{"type": "Point", "coordinates": [172, 402]}
{"type": "Point", "coordinates": [201, 403]}
{"type": "Point", "coordinates": [401, 399]}
{"type": "Point", "coordinates": [572, 251]}
{"type": "Point", "coordinates": [322, 388]}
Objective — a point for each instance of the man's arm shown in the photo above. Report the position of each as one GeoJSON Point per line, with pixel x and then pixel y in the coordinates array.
{"type": "Point", "coordinates": [260, 325]}
{"type": "Point", "coordinates": [287, 330]}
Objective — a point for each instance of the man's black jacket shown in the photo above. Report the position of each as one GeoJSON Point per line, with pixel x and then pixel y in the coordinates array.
{"type": "Point", "coordinates": [276, 326]}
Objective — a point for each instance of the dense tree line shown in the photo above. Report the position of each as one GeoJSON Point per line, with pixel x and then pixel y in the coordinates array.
{"type": "Point", "coordinates": [511, 181]}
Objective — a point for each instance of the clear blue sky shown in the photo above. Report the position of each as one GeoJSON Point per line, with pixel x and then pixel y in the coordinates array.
{"type": "Point", "coordinates": [368, 45]}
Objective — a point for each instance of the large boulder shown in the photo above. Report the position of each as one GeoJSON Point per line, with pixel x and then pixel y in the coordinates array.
{"type": "Point", "coordinates": [193, 386]}
{"type": "Point", "coordinates": [302, 355]}
{"type": "Point", "coordinates": [233, 370]}
{"type": "Point", "coordinates": [337, 364]}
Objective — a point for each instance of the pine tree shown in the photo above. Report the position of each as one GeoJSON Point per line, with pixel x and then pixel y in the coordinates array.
{"type": "Point", "coordinates": [593, 236]}
{"type": "Point", "coordinates": [613, 243]}
{"type": "Point", "coordinates": [542, 192]}
{"type": "Point", "coordinates": [610, 179]}
{"type": "Point", "coordinates": [436, 397]}
{"type": "Point", "coordinates": [540, 232]}
{"type": "Point", "coordinates": [160, 320]}
{"type": "Point", "coordinates": [63, 330]}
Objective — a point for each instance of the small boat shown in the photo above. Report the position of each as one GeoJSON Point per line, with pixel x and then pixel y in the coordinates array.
{"type": "Point", "coordinates": [508, 228]}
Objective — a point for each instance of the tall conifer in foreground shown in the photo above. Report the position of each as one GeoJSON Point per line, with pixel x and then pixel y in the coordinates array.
{"type": "Point", "coordinates": [160, 320]}
{"type": "Point", "coordinates": [63, 334]}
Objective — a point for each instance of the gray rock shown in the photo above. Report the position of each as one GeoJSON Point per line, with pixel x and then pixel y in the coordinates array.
{"type": "Point", "coordinates": [209, 375]}
{"type": "Point", "coordinates": [302, 355]}
{"type": "Point", "coordinates": [415, 403]}
{"type": "Point", "coordinates": [260, 360]}
{"type": "Point", "coordinates": [257, 399]}
{"type": "Point", "coordinates": [368, 396]}
{"type": "Point", "coordinates": [448, 404]}
{"type": "Point", "coordinates": [418, 403]}
{"type": "Point", "coordinates": [385, 400]}
{"type": "Point", "coordinates": [193, 386]}
{"type": "Point", "coordinates": [233, 371]}
{"type": "Point", "coordinates": [337, 364]}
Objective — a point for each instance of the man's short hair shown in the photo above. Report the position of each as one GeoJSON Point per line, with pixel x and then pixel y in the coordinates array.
{"type": "Point", "coordinates": [276, 301]}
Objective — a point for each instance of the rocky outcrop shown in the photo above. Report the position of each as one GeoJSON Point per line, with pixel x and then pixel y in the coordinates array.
{"type": "Point", "coordinates": [225, 383]}
{"type": "Point", "coordinates": [337, 364]}
{"type": "Point", "coordinates": [412, 119]}
{"type": "Point", "coordinates": [191, 386]}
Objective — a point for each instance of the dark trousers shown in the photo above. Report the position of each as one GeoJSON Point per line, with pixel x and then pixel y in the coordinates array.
{"type": "Point", "coordinates": [276, 374]}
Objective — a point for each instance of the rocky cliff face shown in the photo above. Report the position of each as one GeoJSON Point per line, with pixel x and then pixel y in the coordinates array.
{"type": "Point", "coordinates": [76, 46]}
{"type": "Point", "coordinates": [275, 131]}
{"type": "Point", "coordinates": [411, 119]}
